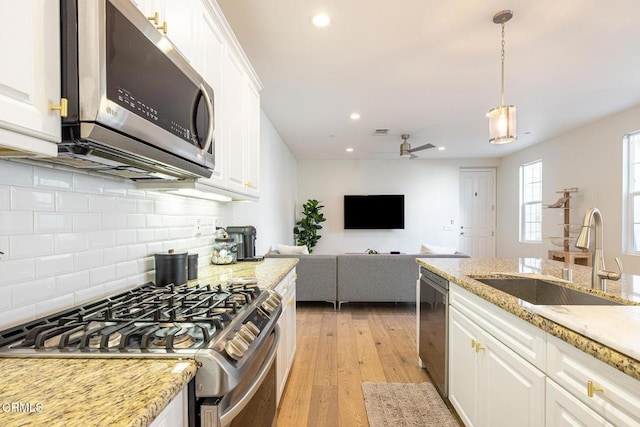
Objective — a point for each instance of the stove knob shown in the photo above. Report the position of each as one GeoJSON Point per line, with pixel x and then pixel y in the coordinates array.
{"type": "Point", "coordinates": [252, 328]}
{"type": "Point", "coordinates": [247, 334]}
{"type": "Point", "coordinates": [236, 347]}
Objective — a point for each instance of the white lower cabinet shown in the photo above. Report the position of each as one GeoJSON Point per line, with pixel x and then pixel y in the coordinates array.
{"type": "Point", "coordinates": [287, 324]}
{"type": "Point", "coordinates": [504, 371]}
{"type": "Point", "coordinates": [489, 384]}
{"type": "Point", "coordinates": [564, 410]}
{"type": "Point", "coordinates": [175, 414]}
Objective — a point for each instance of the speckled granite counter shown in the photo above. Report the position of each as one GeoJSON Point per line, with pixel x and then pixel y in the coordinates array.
{"type": "Point", "coordinates": [89, 392]}
{"type": "Point", "coordinates": [582, 329]}
{"type": "Point", "coordinates": [110, 392]}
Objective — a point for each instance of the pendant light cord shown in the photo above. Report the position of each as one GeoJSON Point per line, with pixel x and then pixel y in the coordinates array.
{"type": "Point", "coordinates": [502, 73]}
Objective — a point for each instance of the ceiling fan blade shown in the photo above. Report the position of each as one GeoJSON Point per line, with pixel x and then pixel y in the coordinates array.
{"type": "Point", "coordinates": [422, 147]}
{"type": "Point", "coordinates": [413, 156]}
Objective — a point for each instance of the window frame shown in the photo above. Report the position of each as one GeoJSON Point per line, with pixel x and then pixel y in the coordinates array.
{"type": "Point", "coordinates": [523, 205]}
{"type": "Point", "coordinates": [631, 145]}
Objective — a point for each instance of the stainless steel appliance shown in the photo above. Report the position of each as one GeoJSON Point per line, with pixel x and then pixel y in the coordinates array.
{"type": "Point", "coordinates": [433, 327]}
{"type": "Point", "coordinates": [229, 330]}
{"type": "Point", "coordinates": [245, 238]}
{"type": "Point", "coordinates": [136, 108]}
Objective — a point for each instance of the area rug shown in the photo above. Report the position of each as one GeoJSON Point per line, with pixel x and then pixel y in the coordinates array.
{"type": "Point", "coordinates": [406, 405]}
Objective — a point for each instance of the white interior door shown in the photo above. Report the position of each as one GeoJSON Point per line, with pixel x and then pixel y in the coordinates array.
{"type": "Point", "coordinates": [478, 212]}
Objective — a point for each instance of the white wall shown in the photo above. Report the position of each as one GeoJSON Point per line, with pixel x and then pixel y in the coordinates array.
{"type": "Point", "coordinates": [273, 214]}
{"type": "Point", "coordinates": [431, 200]}
{"type": "Point", "coordinates": [589, 158]}
{"type": "Point", "coordinates": [70, 237]}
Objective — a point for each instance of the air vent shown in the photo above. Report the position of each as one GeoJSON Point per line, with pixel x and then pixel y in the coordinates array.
{"type": "Point", "coordinates": [381, 132]}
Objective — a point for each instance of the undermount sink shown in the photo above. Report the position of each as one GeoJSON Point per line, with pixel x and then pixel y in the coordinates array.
{"type": "Point", "coordinates": [539, 292]}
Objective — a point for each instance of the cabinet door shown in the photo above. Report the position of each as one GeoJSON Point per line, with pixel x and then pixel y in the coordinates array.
{"type": "Point", "coordinates": [209, 62]}
{"type": "Point", "coordinates": [463, 367]}
{"type": "Point", "coordinates": [235, 91]}
{"type": "Point", "coordinates": [30, 78]}
{"type": "Point", "coordinates": [564, 410]}
{"type": "Point", "coordinates": [512, 389]}
{"type": "Point", "coordinates": [253, 142]}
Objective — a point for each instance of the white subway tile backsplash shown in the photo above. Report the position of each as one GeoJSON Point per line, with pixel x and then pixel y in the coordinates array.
{"type": "Point", "coordinates": [105, 204]}
{"type": "Point", "coordinates": [145, 206]}
{"type": "Point", "coordinates": [29, 199]}
{"type": "Point", "coordinates": [136, 251]}
{"type": "Point", "coordinates": [126, 269]}
{"type": "Point", "coordinates": [126, 205]}
{"type": "Point", "coordinates": [87, 222]}
{"type": "Point", "coordinates": [4, 247]}
{"type": "Point", "coordinates": [161, 233]}
{"type": "Point", "coordinates": [71, 283]}
{"type": "Point", "coordinates": [29, 246]}
{"type": "Point", "coordinates": [54, 265]}
{"type": "Point", "coordinates": [153, 248]}
{"type": "Point", "coordinates": [136, 220]}
{"type": "Point", "coordinates": [5, 298]}
{"type": "Point", "coordinates": [54, 305]}
{"type": "Point", "coordinates": [12, 173]}
{"type": "Point", "coordinates": [83, 183]}
{"type": "Point", "coordinates": [102, 275]}
{"type": "Point", "coordinates": [146, 264]}
{"type": "Point", "coordinates": [16, 271]}
{"type": "Point", "coordinates": [114, 221]}
{"type": "Point", "coordinates": [16, 222]}
{"type": "Point", "coordinates": [154, 221]}
{"type": "Point", "coordinates": [52, 222]}
{"type": "Point", "coordinates": [5, 197]}
{"type": "Point", "coordinates": [17, 316]}
{"type": "Point", "coordinates": [146, 235]}
{"type": "Point", "coordinates": [71, 242]}
{"type": "Point", "coordinates": [90, 259]}
{"type": "Point", "coordinates": [125, 237]}
{"type": "Point", "coordinates": [116, 286]}
{"type": "Point", "coordinates": [33, 292]}
{"type": "Point", "coordinates": [53, 179]}
{"type": "Point", "coordinates": [101, 239]}
{"type": "Point", "coordinates": [115, 255]}
{"type": "Point", "coordinates": [88, 294]}
{"type": "Point", "coordinates": [72, 202]}
{"type": "Point", "coordinates": [140, 279]}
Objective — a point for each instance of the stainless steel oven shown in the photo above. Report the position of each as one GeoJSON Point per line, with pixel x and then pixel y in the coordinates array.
{"type": "Point", "coordinates": [433, 327]}
{"type": "Point", "coordinates": [230, 330]}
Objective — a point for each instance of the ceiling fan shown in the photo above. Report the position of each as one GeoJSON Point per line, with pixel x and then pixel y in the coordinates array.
{"type": "Point", "coordinates": [407, 151]}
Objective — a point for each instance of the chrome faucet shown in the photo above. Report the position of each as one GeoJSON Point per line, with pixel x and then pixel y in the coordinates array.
{"type": "Point", "coordinates": [599, 274]}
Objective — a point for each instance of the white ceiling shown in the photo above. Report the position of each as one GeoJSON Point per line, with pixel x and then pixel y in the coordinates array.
{"type": "Point", "coordinates": [431, 68]}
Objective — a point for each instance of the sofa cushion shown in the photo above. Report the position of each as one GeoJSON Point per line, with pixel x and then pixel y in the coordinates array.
{"type": "Point", "coordinates": [292, 250]}
{"type": "Point", "coordinates": [437, 250]}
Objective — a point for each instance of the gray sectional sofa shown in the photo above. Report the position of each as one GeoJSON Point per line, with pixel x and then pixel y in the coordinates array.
{"type": "Point", "coordinates": [358, 277]}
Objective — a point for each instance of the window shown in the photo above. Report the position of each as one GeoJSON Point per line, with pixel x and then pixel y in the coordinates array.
{"type": "Point", "coordinates": [632, 190]}
{"type": "Point", "coordinates": [531, 202]}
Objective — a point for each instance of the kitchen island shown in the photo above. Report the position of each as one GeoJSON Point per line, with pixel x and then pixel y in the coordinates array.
{"type": "Point", "coordinates": [57, 391]}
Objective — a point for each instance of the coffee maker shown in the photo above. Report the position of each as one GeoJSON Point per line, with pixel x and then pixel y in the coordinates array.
{"type": "Point", "coordinates": [245, 238]}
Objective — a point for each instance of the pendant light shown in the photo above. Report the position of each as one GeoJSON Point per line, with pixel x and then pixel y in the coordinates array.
{"type": "Point", "coordinates": [502, 119]}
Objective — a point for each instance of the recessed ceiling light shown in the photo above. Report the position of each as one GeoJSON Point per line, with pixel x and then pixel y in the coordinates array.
{"type": "Point", "coordinates": [349, 150]}
{"type": "Point", "coordinates": [354, 116]}
{"type": "Point", "coordinates": [442, 148]}
{"type": "Point", "coordinates": [321, 20]}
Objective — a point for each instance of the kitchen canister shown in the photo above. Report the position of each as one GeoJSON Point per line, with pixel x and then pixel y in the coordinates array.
{"type": "Point", "coordinates": [171, 267]}
{"type": "Point", "coordinates": [225, 251]}
{"type": "Point", "coordinates": [192, 266]}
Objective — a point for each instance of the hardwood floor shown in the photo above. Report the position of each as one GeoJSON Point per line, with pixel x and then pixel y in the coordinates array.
{"type": "Point", "coordinates": [337, 352]}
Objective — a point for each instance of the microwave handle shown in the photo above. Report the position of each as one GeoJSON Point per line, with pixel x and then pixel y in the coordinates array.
{"type": "Point", "coordinates": [210, 130]}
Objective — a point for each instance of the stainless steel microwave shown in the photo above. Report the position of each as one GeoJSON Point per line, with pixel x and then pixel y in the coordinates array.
{"type": "Point", "coordinates": [136, 107]}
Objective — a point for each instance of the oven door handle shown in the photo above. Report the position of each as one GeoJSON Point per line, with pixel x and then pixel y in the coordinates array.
{"type": "Point", "coordinates": [233, 411]}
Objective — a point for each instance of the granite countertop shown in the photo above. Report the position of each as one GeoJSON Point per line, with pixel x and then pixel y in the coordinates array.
{"type": "Point", "coordinates": [608, 333]}
{"type": "Point", "coordinates": [110, 392]}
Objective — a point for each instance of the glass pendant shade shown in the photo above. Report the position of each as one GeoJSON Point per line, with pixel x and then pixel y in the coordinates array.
{"type": "Point", "coordinates": [502, 124]}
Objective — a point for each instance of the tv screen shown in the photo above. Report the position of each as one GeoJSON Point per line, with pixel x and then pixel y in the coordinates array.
{"type": "Point", "coordinates": [383, 211]}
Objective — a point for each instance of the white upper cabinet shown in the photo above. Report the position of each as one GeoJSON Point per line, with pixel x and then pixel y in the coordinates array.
{"type": "Point", "coordinates": [29, 78]}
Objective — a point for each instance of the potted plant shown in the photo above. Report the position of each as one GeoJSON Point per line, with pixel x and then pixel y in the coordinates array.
{"type": "Point", "coordinates": [306, 230]}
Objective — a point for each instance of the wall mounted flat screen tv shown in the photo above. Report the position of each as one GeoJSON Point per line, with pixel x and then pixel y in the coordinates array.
{"type": "Point", "coordinates": [383, 211]}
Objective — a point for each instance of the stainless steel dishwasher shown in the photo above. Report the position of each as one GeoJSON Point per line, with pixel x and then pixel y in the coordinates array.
{"type": "Point", "coordinates": [433, 333]}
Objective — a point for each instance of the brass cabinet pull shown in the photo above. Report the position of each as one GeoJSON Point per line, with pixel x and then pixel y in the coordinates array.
{"type": "Point", "coordinates": [155, 18]}
{"type": "Point", "coordinates": [475, 344]}
{"type": "Point", "coordinates": [291, 302]}
{"type": "Point", "coordinates": [163, 27]}
{"type": "Point", "coordinates": [295, 276]}
{"type": "Point", "coordinates": [63, 107]}
{"type": "Point", "coordinates": [592, 389]}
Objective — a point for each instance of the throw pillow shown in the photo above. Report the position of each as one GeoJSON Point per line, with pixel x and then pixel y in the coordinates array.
{"type": "Point", "coordinates": [293, 250]}
{"type": "Point", "coordinates": [436, 250]}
